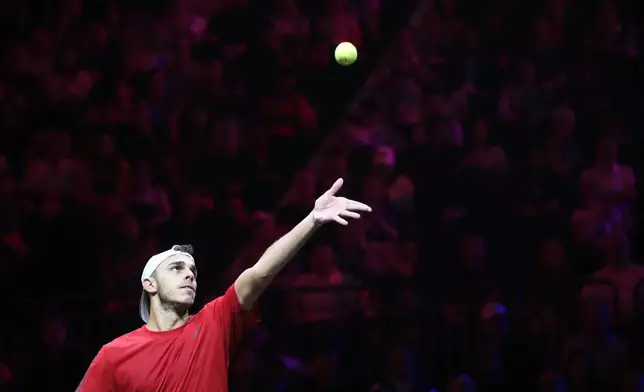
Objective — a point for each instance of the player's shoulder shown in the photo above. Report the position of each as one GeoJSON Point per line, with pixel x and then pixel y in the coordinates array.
{"type": "Point", "coordinates": [224, 304]}
{"type": "Point", "coordinates": [131, 339]}
{"type": "Point", "coordinates": [227, 298]}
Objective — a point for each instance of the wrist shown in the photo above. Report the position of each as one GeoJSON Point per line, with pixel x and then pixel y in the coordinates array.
{"type": "Point", "coordinates": [316, 219]}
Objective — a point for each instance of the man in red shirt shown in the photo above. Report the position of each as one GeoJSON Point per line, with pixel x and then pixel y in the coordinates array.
{"type": "Point", "coordinates": [175, 351]}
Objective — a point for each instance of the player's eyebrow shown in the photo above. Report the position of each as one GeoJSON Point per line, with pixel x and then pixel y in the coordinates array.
{"type": "Point", "coordinates": [183, 264]}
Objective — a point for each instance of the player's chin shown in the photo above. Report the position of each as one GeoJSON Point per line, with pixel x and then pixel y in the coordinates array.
{"type": "Point", "coordinates": [185, 301]}
{"type": "Point", "coordinates": [189, 297]}
{"type": "Point", "coordinates": [185, 298]}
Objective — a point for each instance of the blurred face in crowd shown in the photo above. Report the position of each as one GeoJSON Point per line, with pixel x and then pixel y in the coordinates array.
{"type": "Point", "coordinates": [173, 285]}
{"type": "Point", "coordinates": [237, 211]}
{"type": "Point", "coordinates": [434, 25]}
{"type": "Point", "coordinates": [579, 371]}
{"type": "Point", "coordinates": [634, 383]}
{"type": "Point", "coordinates": [157, 85]}
{"type": "Point", "coordinates": [68, 60]}
{"type": "Point", "coordinates": [397, 362]}
{"type": "Point", "coordinates": [607, 151]}
{"type": "Point", "coordinates": [304, 187]}
{"type": "Point", "coordinates": [462, 384]}
{"type": "Point", "coordinates": [542, 320]}
{"type": "Point", "coordinates": [553, 255]}
{"type": "Point", "coordinates": [92, 116]}
{"type": "Point", "coordinates": [142, 176]}
{"type": "Point", "coordinates": [373, 190]}
{"type": "Point", "coordinates": [407, 112]}
{"type": "Point", "coordinates": [527, 74]}
{"type": "Point", "coordinates": [129, 228]}
{"type": "Point", "coordinates": [407, 43]}
{"type": "Point", "coordinates": [372, 118]}
{"type": "Point", "coordinates": [287, 87]}
{"type": "Point", "coordinates": [449, 7]}
{"type": "Point", "coordinates": [408, 250]}
{"type": "Point", "coordinates": [287, 6]}
{"type": "Point", "coordinates": [191, 205]}
{"type": "Point", "coordinates": [142, 118]}
{"type": "Point", "coordinates": [319, 54]}
{"type": "Point", "coordinates": [496, 327]}
{"type": "Point", "coordinates": [473, 252]}
{"type": "Point", "coordinates": [541, 33]}
{"type": "Point", "coordinates": [216, 72]}
{"type": "Point", "coordinates": [384, 159]}
{"type": "Point", "coordinates": [264, 229]}
{"type": "Point", "coordinates": [272, 40]}
{"type": "Point", "coordinates": [7, 186]}
{"type": "Point", "coordinates": [41, 41]}
{"type": "Point", "coordinates": [608, 20]}
{"type": "Point", "coordinates": [354, 237]}
{"type": "Point", "coordinates": [551, 382]}
{"type": "Point", "coordinates": [224, 138]}
{"type": "Point", "coordinates": [54, 332]}
{"type": "Point", "coordinates": [231, 134]}
{"type": "Point", "coordinates": [564, 123]}
{"type": "Point", "coordinates": [638, 299]}
{"type": "Point", "coordinates": [98, 35]}
{"type": "Point", "coordinates": [199, 117]}
{"type": "Point", "coordinates": [596, 315]}
{"type": "Point", "coordinates": [371, 6]}
{"type": "Point", "coordinates": [324, 368]}
{"type": "Point", "coordinates": [419, 134]}
{"type": "Point", "coordinates": [597, 203]}
{"type": "Point", "coordinates": [617, 245]}
{"type": "Point", "coordinates": [50, 208]}
{"type": "Point", "coordinates": [337, 6]}
{"type": "Point", "coordinates": [472, 40]}
{"type": "Point", "coordinates": [322, 260]}
{"type": "Point", "coordinates": [105, 146]}
{"type": "Point", "coordinates": [479, 133]}
{"type": "Point", "coordinates": [336, 167]}
{"type": "Point", "coordinates": [124, 95]}
{"type": "Point", "coordinates": [54, 145]}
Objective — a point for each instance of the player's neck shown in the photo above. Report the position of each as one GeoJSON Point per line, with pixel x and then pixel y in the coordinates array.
{"type": "Point", "coordinates": [162, 320]}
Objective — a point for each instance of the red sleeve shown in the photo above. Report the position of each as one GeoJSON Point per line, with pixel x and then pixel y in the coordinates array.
{"type": "Point", "coordinates": [98, 377]}
{"type": "Point", "coordinates": [227, 311]}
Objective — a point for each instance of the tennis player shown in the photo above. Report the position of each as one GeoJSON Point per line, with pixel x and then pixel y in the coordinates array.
{"type": "Point", "coordinates": [178, 352]}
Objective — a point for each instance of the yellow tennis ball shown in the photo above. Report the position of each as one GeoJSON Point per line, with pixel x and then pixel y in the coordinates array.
{"type": "Point", "coordinates": [346, 53]}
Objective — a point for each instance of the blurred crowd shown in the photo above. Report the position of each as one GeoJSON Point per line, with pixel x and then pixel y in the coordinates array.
{"type": "Point", "coordinates": [499, 151]}
{"type": "Point", "coordinates": [498, 148]}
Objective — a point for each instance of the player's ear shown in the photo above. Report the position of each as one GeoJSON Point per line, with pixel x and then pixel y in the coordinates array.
{"type": "Point", "coordinates": [150, 285]}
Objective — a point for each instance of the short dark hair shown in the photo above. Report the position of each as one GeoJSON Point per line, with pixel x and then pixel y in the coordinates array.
{"type": "Point", "coordinates": [187, 248]}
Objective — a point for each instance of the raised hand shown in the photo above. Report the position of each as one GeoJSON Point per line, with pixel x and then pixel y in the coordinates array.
{"type": "Point", "coordinates": [329, 207]}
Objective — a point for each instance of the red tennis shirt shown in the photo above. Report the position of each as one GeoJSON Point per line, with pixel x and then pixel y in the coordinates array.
{"type": "Point", "coordinates": [193, 357]}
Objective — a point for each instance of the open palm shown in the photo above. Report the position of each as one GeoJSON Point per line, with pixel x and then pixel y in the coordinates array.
{"type": "Point", "coordinates": [329, 207]}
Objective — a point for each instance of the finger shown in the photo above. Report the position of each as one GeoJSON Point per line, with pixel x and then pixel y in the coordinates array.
{"type": "Point", "coordinates": [357, 206]}
{"type": "Point", "coordinates": [340, 221]}
{"type": "Point", "coordinates": [335, 187]}
{"type": "Point", "coordinates": [350, 214]}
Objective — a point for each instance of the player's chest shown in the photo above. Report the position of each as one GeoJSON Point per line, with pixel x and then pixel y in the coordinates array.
{"type": "Point", "coordinates": [166, 365]}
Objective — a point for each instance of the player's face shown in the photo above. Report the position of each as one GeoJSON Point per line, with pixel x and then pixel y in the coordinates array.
{"type": "Point", "coordinates": [176, 282]}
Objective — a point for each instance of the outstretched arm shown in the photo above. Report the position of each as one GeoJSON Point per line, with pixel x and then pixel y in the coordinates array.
{"type": "Point", "coordinates": [253, 281]}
